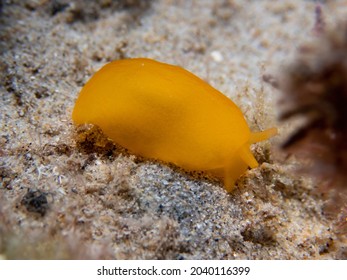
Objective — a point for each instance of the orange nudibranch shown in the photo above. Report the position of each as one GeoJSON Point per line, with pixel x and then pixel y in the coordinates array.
{"type": "Point", "coordinates": [164, 112]}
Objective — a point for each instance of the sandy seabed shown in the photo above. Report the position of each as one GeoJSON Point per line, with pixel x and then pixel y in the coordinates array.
{"type": "Point", "coordinates": [75, 199]}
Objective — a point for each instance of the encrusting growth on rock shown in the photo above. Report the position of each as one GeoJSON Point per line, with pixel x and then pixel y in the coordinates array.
{"type": "Point", "coordinates": [315, 88]}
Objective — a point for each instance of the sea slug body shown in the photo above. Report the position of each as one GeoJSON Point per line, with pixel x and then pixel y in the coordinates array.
{"type": "Point", "coordinates": [164, 112]}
